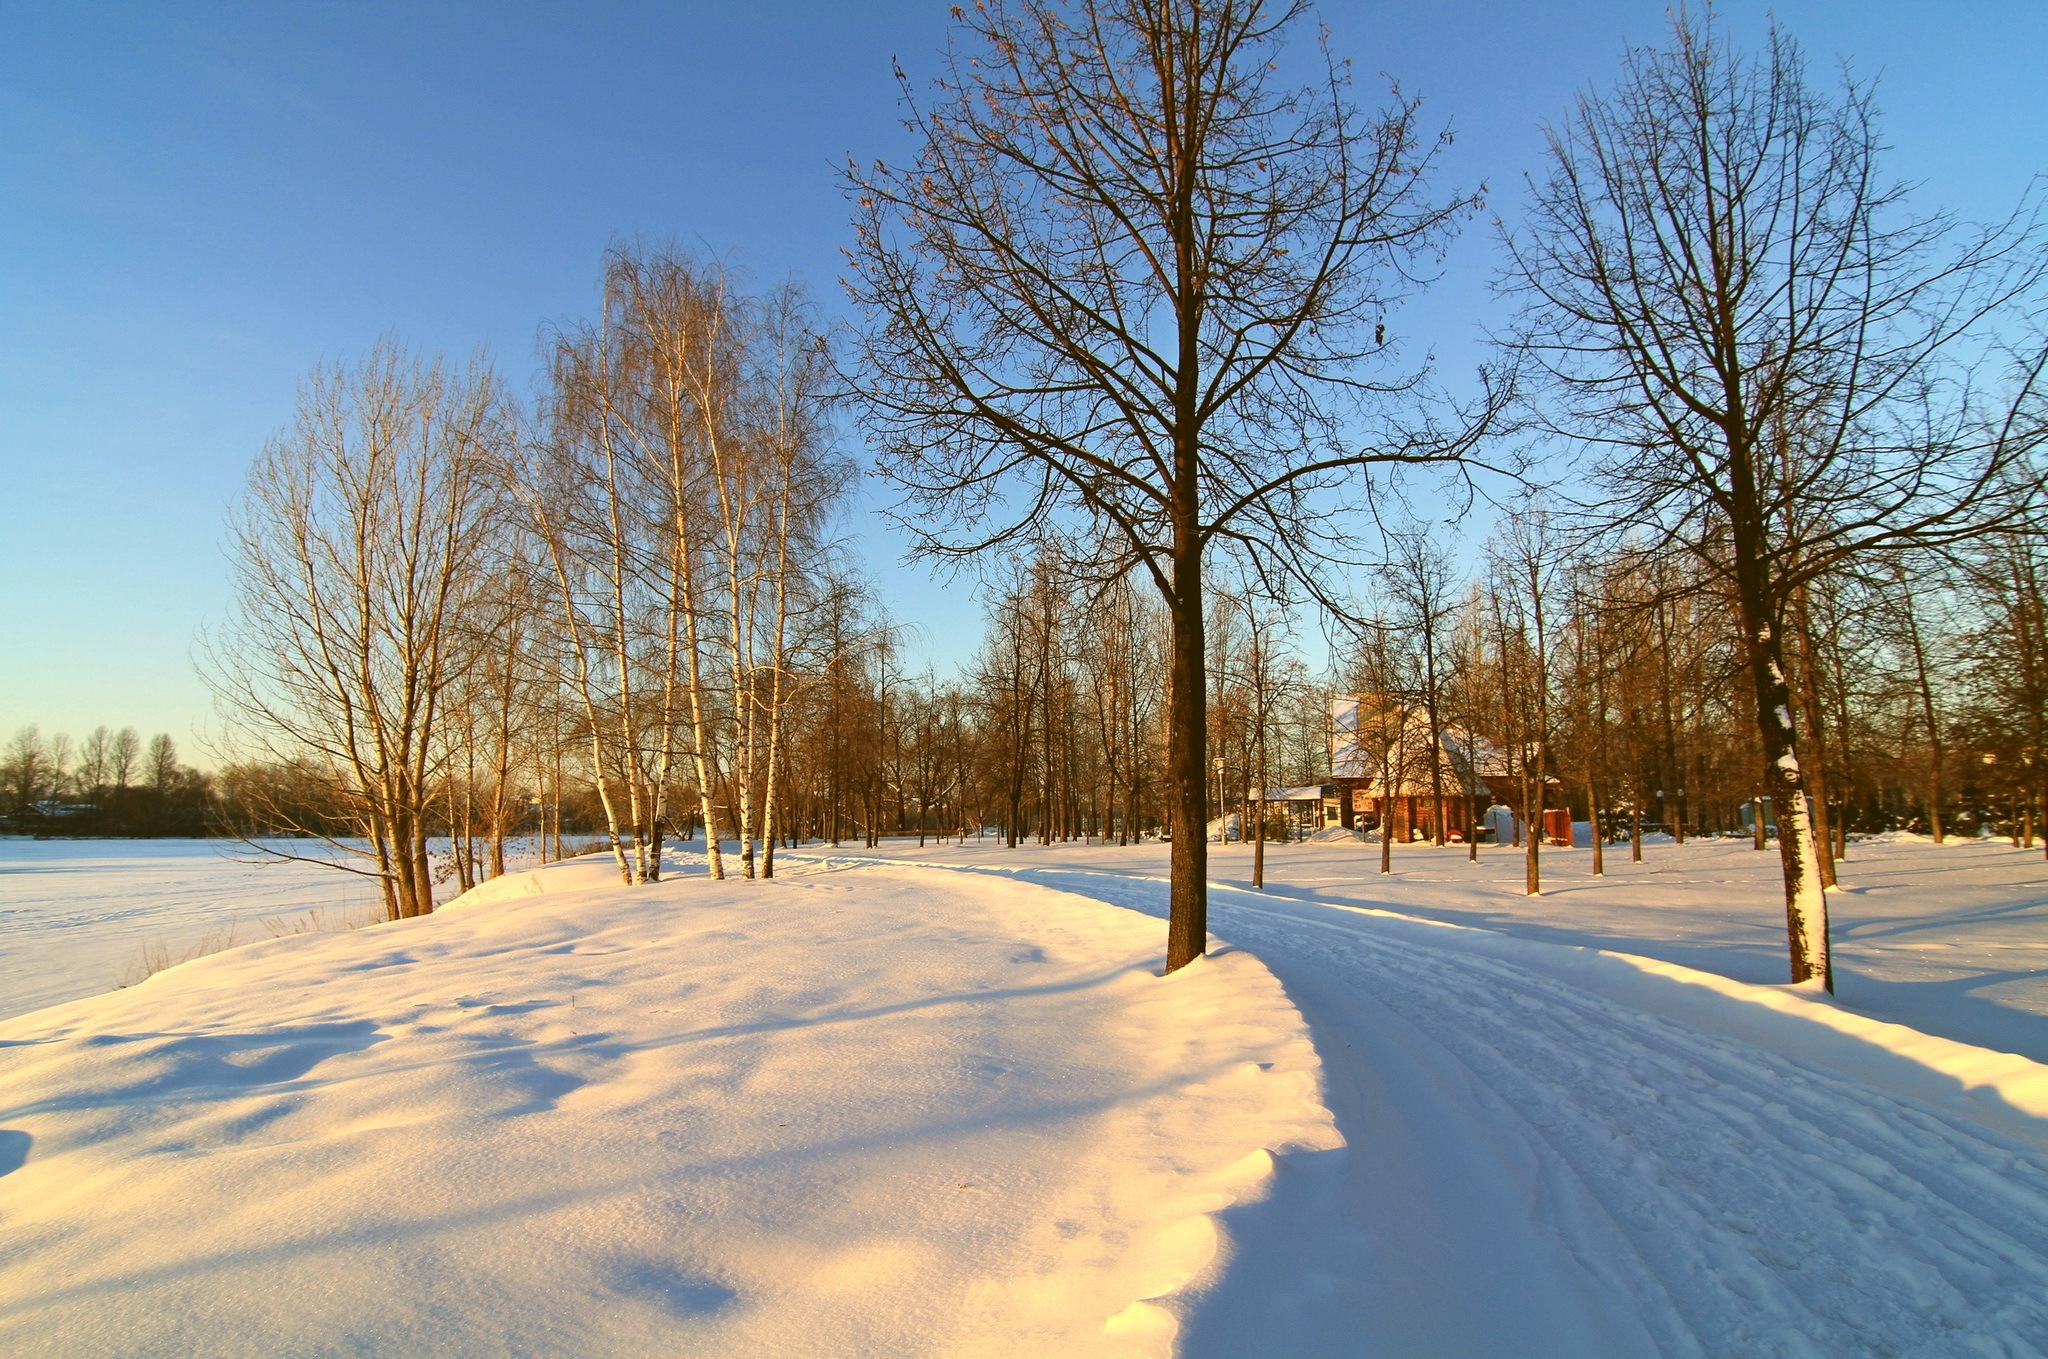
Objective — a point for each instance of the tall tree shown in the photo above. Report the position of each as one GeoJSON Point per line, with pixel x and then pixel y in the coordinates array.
{"type": "Point", "coordinates": [26, 767]}
{"type": "Point", "coordinates": [1137, 280]}
{"type": "Point", "coordinates": [1421, 585]}
{"type": "Point", "coordinates": [122, 753]}
{"type": "Point", "coordinates": [1737, 314]}
{"type": "Point", "coordinates": [160, 765]}
{"type": "Point", "coordinates": [363, 536]}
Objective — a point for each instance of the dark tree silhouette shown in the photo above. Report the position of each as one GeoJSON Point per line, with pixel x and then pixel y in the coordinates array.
{"type": "Point", "coordinates": [1739, 315]}
{"type": "Point", "coordinates": [1134, 289]}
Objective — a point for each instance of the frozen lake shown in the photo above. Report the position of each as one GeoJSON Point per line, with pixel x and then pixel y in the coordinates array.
{"type": "Point", "coordinates": [78, 917]}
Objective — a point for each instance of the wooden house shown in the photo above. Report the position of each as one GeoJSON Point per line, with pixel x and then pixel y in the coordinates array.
{"type": "Point", "coordinates": [1391, 770]}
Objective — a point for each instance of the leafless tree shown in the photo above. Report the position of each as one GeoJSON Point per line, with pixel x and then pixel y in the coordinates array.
{"type": "Point", "coordinates": [160, 765]}
{"type": "Point", "coordinates": [122, 753]}
{"type": "Point", "coordinates": [95, 762]}
{"type": "Point", "coordinates": [588, 487]}
{"type": "Point", "coordinates": [27, 767]}
{"type": "Point", "coordinates": [1135, 285]}
{"type": "Point", "coordinates": [2008, 676]}
{"type": "Point", "coordinates": [1524, 566]}
{"type": "Point", "coordinates": [682, 497]}
{"type": "Point", "coordinates": [1265, 669]}
{"type": "Point", "coordinates": [361, 539]}
{"type": "Point", "coordinates": [1420, 582]}
{"type": "Point", "coordinates": [1738, 316]}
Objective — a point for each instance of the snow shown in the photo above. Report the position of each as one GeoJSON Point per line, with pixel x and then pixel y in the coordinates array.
{"type": "Point", "coordinates": [889, 1111]}
{"type": "Point", "coordinates": [1950, 939]}
{"type": "Point", "coordinates": [78, 917]}
{"type": "Point", "coordinates": [1562, 1150]}
{"type": "Point", "coordinates": [922, 1101]}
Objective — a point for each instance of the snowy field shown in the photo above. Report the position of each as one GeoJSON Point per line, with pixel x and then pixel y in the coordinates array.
{"type": "Point", "coordinates": [1556, 1149]}
{"type": "Point", "coordinates": [935, 1102]}
{"type": "Point", "coordinates": [1952, 939]}
{"type": "Point", "coordinates": [79, 917]}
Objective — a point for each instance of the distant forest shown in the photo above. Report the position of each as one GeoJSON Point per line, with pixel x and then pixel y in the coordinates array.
{"type": "Point", "coordinates": [114, 784]}
{"type": "Point", "coordinates": [110, 783]}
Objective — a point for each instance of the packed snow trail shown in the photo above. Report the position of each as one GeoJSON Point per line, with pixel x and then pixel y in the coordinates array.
{"type": "Point", "coordinates": [886, 1113]}
{"type": "Point", "coordinates": [1536, 1169]}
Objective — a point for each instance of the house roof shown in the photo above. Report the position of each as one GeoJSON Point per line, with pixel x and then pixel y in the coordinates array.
{"type": "Point", "coordinates": [1386, 743]}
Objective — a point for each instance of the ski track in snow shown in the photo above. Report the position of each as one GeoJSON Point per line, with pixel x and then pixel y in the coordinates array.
{"type": "Point", "coordinates": [1534, 1169]}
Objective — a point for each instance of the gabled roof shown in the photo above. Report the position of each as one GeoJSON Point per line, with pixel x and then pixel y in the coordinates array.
{"type": "Point", "coordinates": [1381, 742]}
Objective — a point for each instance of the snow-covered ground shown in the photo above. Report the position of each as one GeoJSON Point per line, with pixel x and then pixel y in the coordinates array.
{"type": "Point", "coordinates": [1951, 939]}
{"type": "Point", "coordinates": [1556, 1150]}
{"type": "Point", "coordinates": [78, 917]}
{"type": "Point", "coordinates": [933, 1101]}
{"type": "Point", "coordinates": [883, 1112]}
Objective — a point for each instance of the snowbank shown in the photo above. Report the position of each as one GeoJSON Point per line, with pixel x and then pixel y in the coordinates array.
{"type": "Point", "coordinates": [886, 1111]}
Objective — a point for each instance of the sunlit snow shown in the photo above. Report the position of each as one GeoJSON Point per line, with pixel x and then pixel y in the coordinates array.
{"type": "Point", "coordinates": [937, 1101]}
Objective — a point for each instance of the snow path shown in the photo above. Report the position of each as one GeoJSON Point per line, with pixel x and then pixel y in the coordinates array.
{"type": "Point", "coordinates": [889, 1112]}
{"type": "Point", "coordinates": [1535, 1168]}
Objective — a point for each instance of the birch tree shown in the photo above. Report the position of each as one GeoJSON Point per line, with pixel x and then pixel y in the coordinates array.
{"type": "Point", "coordinates": [362, 537]}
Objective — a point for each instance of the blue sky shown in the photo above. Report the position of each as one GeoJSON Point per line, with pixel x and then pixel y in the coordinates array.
{"type": "Point", "coordinates": [198, 202]}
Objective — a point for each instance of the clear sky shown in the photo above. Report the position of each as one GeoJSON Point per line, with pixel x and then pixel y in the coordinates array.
{"type": "Point", "coordinates": [200, 201]}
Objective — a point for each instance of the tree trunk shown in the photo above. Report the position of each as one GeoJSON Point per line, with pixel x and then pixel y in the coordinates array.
{"type": "Point", "coordinates": [1593, 816]}
{"type": "Point", "coordinates": [1806, 909]}
{"type": "Point", "coordinates": [1532, 834]}
{"type": "Point", "coordinates": [1815, 765]}
{"type": "Point", "coordinates": [1187, 720]}
{"type": "Point", "coordinates": [1926, 686]}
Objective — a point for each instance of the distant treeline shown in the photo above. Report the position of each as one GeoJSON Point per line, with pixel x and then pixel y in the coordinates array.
{"type": "Point", "coordinates": [114, 784]}
{"type": "Point", "coordinates": [110, 783]}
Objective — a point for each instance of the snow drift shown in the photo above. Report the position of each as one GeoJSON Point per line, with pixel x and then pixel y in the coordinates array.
{"type": "Point", "coordinates": [886, 1111]}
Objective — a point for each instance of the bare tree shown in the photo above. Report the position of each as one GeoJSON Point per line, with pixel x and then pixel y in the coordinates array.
{"type": "Point", "coordinates": [1739, 319]}
{"type": "Point", "coordinates": [1119, 655]}
{"type": "Point", "coordinates": [586, 485]}
{"type": "Point", "coordinates": [1523, 565]}
{"type": "Point", "coordinates": [95, 762]}
{"type": "Point", "coordinates": [362, 537]}
{"type": "Point", "coordinates": [59, 763]}
{"type": "Point", "coordinates": [1133, 282]}
{"type": "Point", "coordinates": [160, 765]}
{"type": "Point", "coordinates": [122, 753]}
{"type": "Point", "coordinates": [27, 767]}
{"type": "Point", "coordinates": [682, 498]}
{"type": "Point", "coordinates": [1421, 585]}
{"type": "Point", "coordinates": [1382, 680]}
{"type": "Point", "coordinates": [2009, 674]}
{"type": "Point", "coordinates": [1268, 673]}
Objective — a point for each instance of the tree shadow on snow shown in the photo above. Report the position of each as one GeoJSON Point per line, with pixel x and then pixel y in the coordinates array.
{"type": "Point", "coordinates": [14, 1145]}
